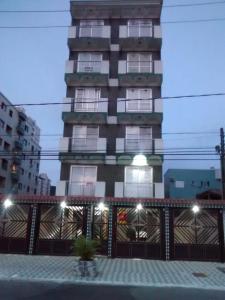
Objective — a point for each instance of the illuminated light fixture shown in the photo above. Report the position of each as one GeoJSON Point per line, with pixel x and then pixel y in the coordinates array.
{"type": "Point", "coordinates": [139, 207]}
{"type": "Point", "coordinates": [101, 206]}
{"type": "Point", "coordinates": [63, 204]}
{"type": "Point", "coordinates": [140, 160]}
{"type": "Point", "coordinates": [7, 203]}
{"type": "Point", "coordinates": [195, 209]}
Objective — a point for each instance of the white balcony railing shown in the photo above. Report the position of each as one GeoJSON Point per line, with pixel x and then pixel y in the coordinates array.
{"type": "Point", "coordinates": [154, 67]}
{"type": "Point", "coordinates": [87, 145]}
{"type": "Point", "coordinates": [96, 189]}
{"type": "Point", "coordinates": [128, 106]}
{"type": "Point", "coordinates": [81, 66]}
{"type": "Point", "coordinates": [101, 31]}
{"type": "Point", "coordinates": [139, 145]}
{"type": "Point", "coordinates": [81, 105]}
{"type": "Point", "coordinates": [144, 31]}
{"type": "Point", "coordinates": [152, 190]}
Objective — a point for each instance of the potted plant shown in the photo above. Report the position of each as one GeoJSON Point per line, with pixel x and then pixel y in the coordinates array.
{"type": "Point", "coordinates": [86, 250]}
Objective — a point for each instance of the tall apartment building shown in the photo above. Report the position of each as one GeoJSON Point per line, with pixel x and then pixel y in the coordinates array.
{"type": "Point", "coordinates": [112, 114]}
{"type": "Point", "coordinates": [44, 184]}
{"type": "Point", "coordinates": [19, 150]}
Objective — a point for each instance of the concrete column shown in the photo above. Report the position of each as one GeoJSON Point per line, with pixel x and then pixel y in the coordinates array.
{"type": "Point", "coordinates": [89, 221]}
{"type": "Point", "coordinates": [110, 231]}
{"type": "Point", "coordinates": [167, 232]}
{"type": "Point", "coordinates": [33, 229]}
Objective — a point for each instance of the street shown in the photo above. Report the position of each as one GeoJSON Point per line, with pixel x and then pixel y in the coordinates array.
{"type": "Point", "coordinates": [22, 290]}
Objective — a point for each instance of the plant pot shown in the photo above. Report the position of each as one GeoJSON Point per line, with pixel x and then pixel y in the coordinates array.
{"type": "Point", "coordinates": [87, 268]}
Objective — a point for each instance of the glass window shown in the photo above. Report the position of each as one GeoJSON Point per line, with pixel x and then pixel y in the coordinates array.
{"type": "Point", "coordinates": [85, 138]}
{"type": "Point", "coordinates": [139, 100]}
{"type": "Point", "coordinates": [89, 62]}
{"type": "Point", "coordinates": [91, 28]}
{"type": "Point", "coordinates": [87, 99]}
{"type": "Point", "coordinates": [139, 63]}
{"type": "Point", "coordinates": [139, 28]}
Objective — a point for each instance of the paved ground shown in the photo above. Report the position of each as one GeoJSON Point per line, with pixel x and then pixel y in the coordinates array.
{"type": "Point", "coordinates": [12, 290]}
{"type": "Point", "coordinates": [114, 272]}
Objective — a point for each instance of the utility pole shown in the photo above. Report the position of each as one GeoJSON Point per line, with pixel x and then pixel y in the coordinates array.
{"type": "Point", "coordinates": [220, 150]}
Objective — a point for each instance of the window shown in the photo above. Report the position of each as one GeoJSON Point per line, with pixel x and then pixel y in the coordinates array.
{"type": "Point", "coordinates": [2, 123]}
{"type": "Point", "coordinates": [138, 139]}
{"type": "Point", "coordinates": [138, 182]}
{"type": "Point", "coordinates": [139, 63]}
{"type": "Point", "coordinates": [139, 100]}
{"type": "Point", "coordinates": [179, 184]}
{"type": "Point", "coordinates": [3, 106]}
{"type": "Point", "coordinates": [26, 128]}
{"type": "Point", "coordinates": [29, 175]}
{"type": "Point", "coordinates": [2, 182]}
{"type": "Point", "coordinates": [1, 141]}
{"type": "Point", "coordinates": [87, 99]}
{"type": "Point", "coordinates": [89, 62]}
{"type": "Point", "coordinates": [8, 130]}
{"type": "Point", "coordinates": [10, 113]}
{"type": "Point", "coordinates": [85, 138]}
{"type": "Point", "coordinates": [28, 189]}
{"type": "Point", "coordinates": [6, 146]}
{"type": "Point", "coordinates": [22, 171]}
{"type": "Point", "coordinates": [20, 186]}
{"type": "Point", "coordinates": [91, 28]}
{"type": "Point", "coordinates": [82, 180]}
{"type": "Point", "coordinates": [4, 164]}
{"type": "Point", "coordinates": [139, 28]}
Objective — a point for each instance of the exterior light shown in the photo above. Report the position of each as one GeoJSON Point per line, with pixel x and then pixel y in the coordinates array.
{"type": "Point", "coordinates": [63, 204]}
{"type": "Point", "coordinates": [140, 160]}
{"type": "Point", "coordinates": [7, 203]}
{"type": "Point", "coordinates": [195, 209]}
{"type": "Point", "coordinates": [139, 207]}
{"type": "Point", "coordinates": [101, 206]}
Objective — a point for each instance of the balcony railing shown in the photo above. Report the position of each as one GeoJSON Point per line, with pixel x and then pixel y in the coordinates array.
{"type": "Point", "coordinates": [91, 30]}
{"type": "Point", "coordinates": [140, 66]}
{"type": "Point", "coordinates": [139, 145]}
{"type": "Point", "coordinates": [81, 188]}
{"type": "Point", "coordinates": [85, 105]}
{"type": "Point", "coordinates": [142, 190]}
{"type": "Point", "coordinates": [89, 66]}
{"type": "Point", "coordinates": [84, 144]}
{"type": "Point", "coordinates": [140, 30]}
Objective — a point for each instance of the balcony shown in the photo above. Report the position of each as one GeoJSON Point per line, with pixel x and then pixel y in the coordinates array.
{"type": "Point", "coordinates": [20, 129]}
{"type": "Point", "coordinates": [80, 145]}
{"type": "Point", "coordinates": [89, 113]}
{"type": "Point", "coordinates": [22, 115]}
{"type": "Point", "coordinates": [15, 175]}
{"type": "Point", "coordinates": [147, 74]}
{"type": "Point", "coordinates": [66, 188]}
{"type": "Point", "coordinates": [153, 42]}
{"type": "Point", "coordinates": [92, 41]}
{"type": "Point", "coordinates": [18, 145]}
{"type": "Point", "coordinates": [87, 73]}
{"type": "Point", "coordinates": [139, 190]}
{"type": "Point", "coordinates": [150, 146]}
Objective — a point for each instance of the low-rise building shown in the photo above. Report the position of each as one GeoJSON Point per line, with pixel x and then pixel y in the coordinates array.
{"type": "Point", "coordinates": [44, 184]}
{"type": "Point", "coordinates": [189, 183]}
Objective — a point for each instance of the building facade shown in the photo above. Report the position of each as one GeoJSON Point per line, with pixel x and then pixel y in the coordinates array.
{"type": "Point", "coordinates": [20, 150]}
{"type": "Point", "coordinates": [44, 184]}
{"type": "Point", "coordinates": [112, 143]}
{"type": "Point", "coordinates": [191, 183]}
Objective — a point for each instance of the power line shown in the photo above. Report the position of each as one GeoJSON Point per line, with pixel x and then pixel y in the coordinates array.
{"type": "Point", "coordinates": [67, 10]}
{"type": "Point", "coordinates": [119, 100]}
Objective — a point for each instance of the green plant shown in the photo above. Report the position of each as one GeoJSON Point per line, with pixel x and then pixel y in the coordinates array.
{"type": "Point", "coordinates": [131, 234]}
{"type": "Point", "coordinates": [85, 248]}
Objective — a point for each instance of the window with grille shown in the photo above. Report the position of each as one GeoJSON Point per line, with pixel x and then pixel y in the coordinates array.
{"type": "Point", "coordinates": [89, 62]}
{"type": "Point", "coordinates": [139, 63]}
{"type": "Point", "coordinates": [140, 28]}
{"type": "Point", "coordinates": [91, 28]}
{"type": "Point", "coordinates": [87, 99]}
{"type": "Point", "coordinates": [139, 100]}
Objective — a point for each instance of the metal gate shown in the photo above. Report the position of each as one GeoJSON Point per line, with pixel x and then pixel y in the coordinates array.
{"type": "Point", "coordinates": [59, 227]}
{"type": "Point", "coordinates": [138, 233]}
{"type": "Point", "coordinates": [15, 224]}
{"type": "Point", "coordinates": [195, 236]}
{"type": "Point", "coordinates": [100, 229]}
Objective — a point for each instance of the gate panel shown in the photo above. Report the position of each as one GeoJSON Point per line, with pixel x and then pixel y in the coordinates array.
{"type": "Point", "coordinates": [59, 227]}
{"type": "Point", "coordinates": [195, 236]}
{"type": "Point", "coordinates": [15, 229]}
{"type": "Point", "coordinates": [138, 233]}
{"type": "Point", "coordinates": [100, 229]}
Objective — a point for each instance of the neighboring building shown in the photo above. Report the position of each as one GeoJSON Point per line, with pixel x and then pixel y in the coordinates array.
{"type": "Point", "coordinates": [44, 184]}
{"type": "Point", "coordinates": [113, 72]}
{"type": "Point", "coordinates": [20, 150]}
{"type": "Point", "coordinates": [192, 183]}
{"type": "Point", "coordinates": [52, 190]}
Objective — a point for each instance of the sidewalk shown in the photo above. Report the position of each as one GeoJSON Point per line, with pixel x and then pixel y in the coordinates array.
{"type": "Point", "coordinates": [129, 272]}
